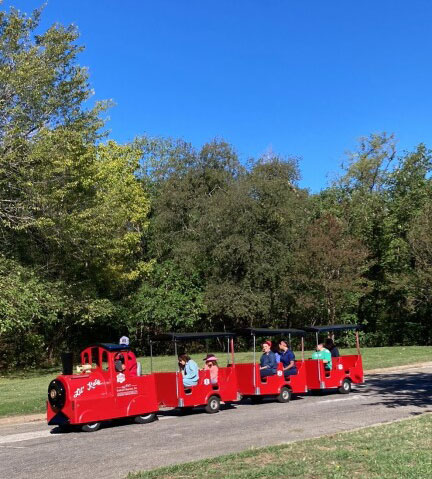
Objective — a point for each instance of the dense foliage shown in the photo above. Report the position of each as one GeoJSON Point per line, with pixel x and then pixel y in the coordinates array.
{"type": "Point", "coordinates": [98, 239]}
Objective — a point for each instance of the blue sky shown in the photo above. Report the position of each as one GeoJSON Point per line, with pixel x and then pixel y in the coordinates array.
{"type": "Point", "coordinates": [305, 78]}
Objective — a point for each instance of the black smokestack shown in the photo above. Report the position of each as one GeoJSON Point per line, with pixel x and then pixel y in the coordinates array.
{"type": "Point", "coordinates": [67, 362]}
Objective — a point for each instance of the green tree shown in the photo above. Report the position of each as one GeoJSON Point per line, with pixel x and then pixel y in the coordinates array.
{"type": "Point", "coordinates": [42, 90]}
{"type": "Point", "coordinates": [329, 272]}
{"type": "Point", "coordinates": [73, 211]}
{"type": "Point", "coordinates": [167, 299]}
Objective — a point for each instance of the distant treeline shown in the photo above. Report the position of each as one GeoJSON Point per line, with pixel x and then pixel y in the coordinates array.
{"type": "Point", "coordinates": [99, 239]}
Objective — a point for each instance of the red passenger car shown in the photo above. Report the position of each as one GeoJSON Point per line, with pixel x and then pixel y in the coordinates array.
{"type": "Point", "coordinates": [169, 385]}
{"type": "Point", "coordinates": [109, 386]}
{"type": "Point", "coordinates": [249, 379]}
{"type": "Point", "coordinates": [346, 369]}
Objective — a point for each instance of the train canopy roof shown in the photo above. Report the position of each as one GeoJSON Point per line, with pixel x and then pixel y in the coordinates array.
{"type": "Point", "coordinates": [191, 336]}
{"type": "Point", "coordinates": [270, 332]}
{"type": "Point", "coordinates": [334, 327]}
{"type": "Point", "coordinates": [111, 346]}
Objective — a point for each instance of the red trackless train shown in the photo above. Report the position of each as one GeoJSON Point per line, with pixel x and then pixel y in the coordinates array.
{"type": "Point", "coordinates": [109, 383]}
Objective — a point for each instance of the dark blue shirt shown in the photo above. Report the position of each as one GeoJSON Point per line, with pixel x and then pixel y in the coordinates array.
{"type": "Point", "coordinates": [286, 358]}
{"type": "Point", "coordinates": [270, 361]}
{"type": "Point", "coordinates": [335, 352]}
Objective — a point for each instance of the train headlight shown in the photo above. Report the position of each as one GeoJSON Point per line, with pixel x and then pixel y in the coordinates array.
{"type": "Point", "coordinates": [56, 394]}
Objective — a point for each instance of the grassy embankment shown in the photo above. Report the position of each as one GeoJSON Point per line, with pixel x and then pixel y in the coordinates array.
{"type": "Point", "coordinates": [25, 392]}
{"type": "Point", "coordinates": [400, 449]}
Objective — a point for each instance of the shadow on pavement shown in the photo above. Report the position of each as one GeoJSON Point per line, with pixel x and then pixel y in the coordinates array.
{"type": "Point", "coordinates": [407, 389]}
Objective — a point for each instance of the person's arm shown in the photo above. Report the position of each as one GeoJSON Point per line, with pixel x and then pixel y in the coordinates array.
{"type": "Point", "coordinates": [192, 370]}
{"type": "Point", "coordinates": [188, 371]}
{"type": "Point", "coordinates": [291, 359]}
{"type": "Point", "coordinates": [327, 357]}
{"type": "Point", "coordinates": [272, 361]}
{"type": "Point", "coordinates": [290, 365]}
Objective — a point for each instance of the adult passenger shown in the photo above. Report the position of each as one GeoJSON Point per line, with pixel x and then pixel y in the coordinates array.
{"type": "Point", "coordinates": [268, 364]}
{"type": "Point", "coordinates": [210, 364]}
{"type": "Point", "coordinates": [287, 358]}
{"type": "Point", "coordinates": [132, 368]}
{"type": "Point", "coordinates": [323, 354]}
{"type": "Point", "coordinates": [189, 369]}
{"type": "Point", "coordinates": [330, 345]}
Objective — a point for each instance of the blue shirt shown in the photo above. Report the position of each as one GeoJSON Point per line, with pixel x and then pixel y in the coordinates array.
{"type": "Point", "coordinates": [286, 358]}
{"type": "Point", "coordinates": [191, 371]}
{"type": "Point", "coordinates": [269, 360]}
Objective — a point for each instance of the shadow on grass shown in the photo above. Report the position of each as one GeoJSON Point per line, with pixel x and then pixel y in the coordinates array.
{"type": "Point", "coordinates": [408, 389]}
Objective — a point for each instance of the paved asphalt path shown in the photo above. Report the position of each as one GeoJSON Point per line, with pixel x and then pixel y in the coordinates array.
{"type": "Point", "coordinates": [35, 450]}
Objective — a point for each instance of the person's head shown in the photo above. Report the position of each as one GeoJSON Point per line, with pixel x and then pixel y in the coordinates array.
{"type": "Point", "coordinates": [283, 346]}
{"type": "Point", "coordinates": [183, 359]}
{"type": "Point", "coordinates": [124, 341]}
{"type": "Point", "coordinates": [119, 362]}
{"type": "Point", "coordinates": [320, 347]}
{"type": "Point", "coordinates": [329, 344]}
{"type": "Point", "coordinates": [210, 360]}
{"type": "Point", "coordinates": [266, 346]}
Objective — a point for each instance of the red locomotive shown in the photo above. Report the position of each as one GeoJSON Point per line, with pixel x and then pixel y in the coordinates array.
{"type": "Point", "coordinates": [108, 386]}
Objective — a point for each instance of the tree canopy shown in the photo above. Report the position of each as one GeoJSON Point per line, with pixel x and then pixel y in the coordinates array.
{"type": "Point", "coordinates": [100, 239]}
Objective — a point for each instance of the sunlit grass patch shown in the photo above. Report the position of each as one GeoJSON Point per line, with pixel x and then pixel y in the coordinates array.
{"type": "Point", "coordinates": [398, 450]}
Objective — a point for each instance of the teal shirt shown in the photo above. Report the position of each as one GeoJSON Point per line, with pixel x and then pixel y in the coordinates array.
{"type": "Point", "coordinates": [325, 354]}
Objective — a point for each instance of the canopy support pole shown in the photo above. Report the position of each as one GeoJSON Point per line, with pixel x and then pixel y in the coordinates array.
{"type": "Point", "coordinates": [151, 356]}
{"type": "Point", "coordinates": [289, 340]}
{"type": "Point", "coordinates": [254, 362]}
{"type": "Point", "coordinates": [318, 362]}
{"type": "Point", "coordinates": [231, 341]}
{"type": "Point", "coordinates": [357, 343]}
{"type": "Point", "coordinates": [302, 348]}
{"type": "Point", "coordinates": [177, 376]}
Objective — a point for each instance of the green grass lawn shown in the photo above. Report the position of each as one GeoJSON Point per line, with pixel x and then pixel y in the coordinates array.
{"type": "Point", "coordinates": [25, 392]}
{"type": "Point", "coordinates": [398, 450]}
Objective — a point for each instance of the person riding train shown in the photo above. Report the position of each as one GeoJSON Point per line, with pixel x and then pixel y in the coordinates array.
{"type": "Point", "coordinates": [210, 364]}
{"type": "Point", "coordinates": [323, 354]}
{"type": "Point", "coordinates": [189, 369]}
{"type": "Point", "coordinates": [287, 358]}
{"type": "Point", "coordinates": [268, 363]}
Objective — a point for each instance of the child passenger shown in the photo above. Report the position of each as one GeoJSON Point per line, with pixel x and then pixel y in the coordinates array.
{"type": "Point", "coordinates": [210, 364]}
{"type": "Point", "coordinates": [189, 369]}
